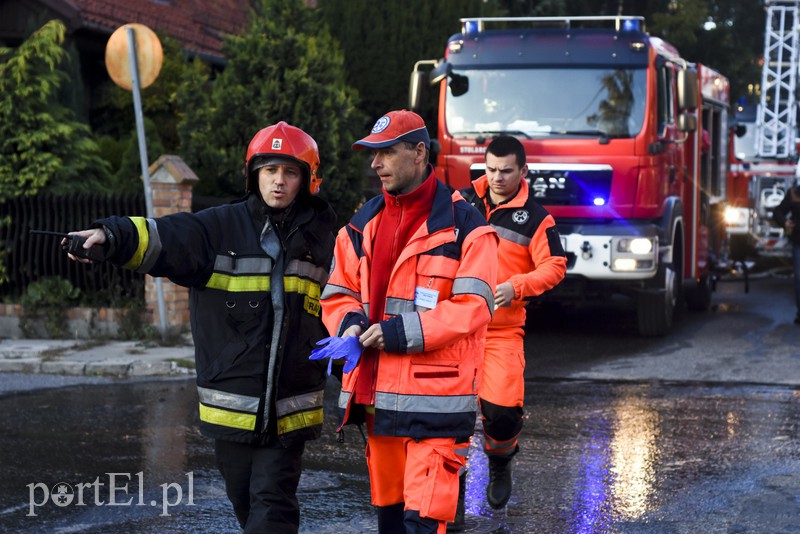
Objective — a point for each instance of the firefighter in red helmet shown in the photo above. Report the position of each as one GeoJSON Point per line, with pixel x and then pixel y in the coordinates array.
{"type": "Point", "coordinates": [255, 269]}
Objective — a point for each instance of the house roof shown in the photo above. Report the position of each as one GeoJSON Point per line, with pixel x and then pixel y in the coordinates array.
{"type": "Point", "coordinates": [198, 24]}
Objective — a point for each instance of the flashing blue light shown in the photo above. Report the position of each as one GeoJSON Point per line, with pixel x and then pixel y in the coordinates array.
{"type": "Point", "coordinates": [631, 25]}
{"type": "Point", "coordinates": [599, 201]}
{"type": "Point", "coordinates": [471, 26]}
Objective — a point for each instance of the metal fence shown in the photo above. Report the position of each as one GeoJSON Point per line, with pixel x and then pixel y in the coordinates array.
{"type": "Point", "coordinates": [31, 257]}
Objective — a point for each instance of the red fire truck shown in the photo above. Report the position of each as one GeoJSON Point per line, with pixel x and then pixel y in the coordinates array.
{"type": "Point", "coordinates": [626, 143]}
{"type": "Point", "coordinates": [756, 185]}
{"type": "Point", "coordinates": [764, 148]}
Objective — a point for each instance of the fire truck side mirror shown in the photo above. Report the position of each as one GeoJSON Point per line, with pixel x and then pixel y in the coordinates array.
{"type": "Point", "coordinates": [687, 122]}
{"type": "Point", "coordinates": [415, 90]}
{"type": "Point", "coordinates": [441, 71]}
{"type": "Point", "coordinates": [687, 89]}
{"type": "Point", "coordinates": [415, 86]}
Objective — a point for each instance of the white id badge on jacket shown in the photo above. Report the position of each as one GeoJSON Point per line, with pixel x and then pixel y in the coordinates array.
{"type": "Point", "coordinates": [426, 297]}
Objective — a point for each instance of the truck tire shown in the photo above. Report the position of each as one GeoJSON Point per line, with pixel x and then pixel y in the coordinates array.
{"type": "Point", "coordinates": [656, 309]}
{"type": "Point", "coordinates": [698, 296]}
{"type": "Point", "coordinates": [655, 306]}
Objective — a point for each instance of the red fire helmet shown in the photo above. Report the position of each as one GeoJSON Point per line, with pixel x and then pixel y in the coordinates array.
{"type": "Point", "coordinates": [285, 140]}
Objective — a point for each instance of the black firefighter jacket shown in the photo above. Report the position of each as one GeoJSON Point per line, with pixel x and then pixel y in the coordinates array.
{"type": "Point", "coordinates": [253, 332]}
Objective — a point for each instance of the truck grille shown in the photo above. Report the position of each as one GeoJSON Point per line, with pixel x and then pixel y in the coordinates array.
{"type": "Point", "coordinates": [568, 184]}
{"type": "Point", "coordinates": [573, 185]}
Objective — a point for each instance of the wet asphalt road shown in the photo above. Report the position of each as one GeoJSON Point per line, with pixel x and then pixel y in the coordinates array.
{"type": "Point", "coordinates": [694, 432]}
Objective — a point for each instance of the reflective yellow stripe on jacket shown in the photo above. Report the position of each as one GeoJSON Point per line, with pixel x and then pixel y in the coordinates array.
{"type": "Point", "coordinates": [239, 411]}
{"type": "Point", "coordinates": [253, 274]}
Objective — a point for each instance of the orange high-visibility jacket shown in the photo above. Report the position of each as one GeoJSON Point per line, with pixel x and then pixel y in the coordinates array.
{"type": "Point", "coordinates": [530, 254]}
{"type": "Point", "coordinates": [426, 377]}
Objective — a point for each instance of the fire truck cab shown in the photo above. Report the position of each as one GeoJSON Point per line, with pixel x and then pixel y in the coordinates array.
{"type": "Point", "coordinates": [626, 145]}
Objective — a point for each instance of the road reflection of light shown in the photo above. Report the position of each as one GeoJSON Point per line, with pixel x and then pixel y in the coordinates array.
{"type": "Point", "coordinates": [733, 423]}
{"type": "Point", "coordinates": [588, 509]}
{"type": "Point", "coordinates": [477, 477]}
{"type": "Point", "coordinates": [617, 466]}
{"type": "Point", "coordinates": [633, 456]}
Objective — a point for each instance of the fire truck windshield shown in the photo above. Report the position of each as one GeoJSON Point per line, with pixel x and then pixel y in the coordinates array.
{"type": "Point", "coordinates": [532, 102]}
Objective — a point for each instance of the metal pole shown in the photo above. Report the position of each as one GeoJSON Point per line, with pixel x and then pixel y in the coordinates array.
{"type": "Point", "coordinates": [148, 196]}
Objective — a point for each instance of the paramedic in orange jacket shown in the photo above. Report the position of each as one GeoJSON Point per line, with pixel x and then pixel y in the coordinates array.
{"type": "Point", "coordinates": [531, 261]}
{"type": "Point", "coordinates": [413, 277]}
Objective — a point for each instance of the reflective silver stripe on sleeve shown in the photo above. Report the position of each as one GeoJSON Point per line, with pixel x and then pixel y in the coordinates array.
{"type": "Point", "coordinates": [474, 286]}
{"type": "Point", "coordinates": [306, 269]}
{"type": "Point", "coordinates": [153, 247]}
{"type": "Point", "coordinates": [424, 403]}
{"type": "Point", "coordinates": [511, 235]}
{"type": "Point", "coordinates": [240, 403]}
{"type": "Point", "coordinates": [412, 326]}
{"type": "Point", "coordinates": [331, 290]}
{"type": "Point", "coordinates": [344, 398]}
{"type": "Point", "coordinates": [396, 306]}
{"type": "Point", "coordinates": [299, 403]}
{"type": "Point", "coordinates": [238, 266]}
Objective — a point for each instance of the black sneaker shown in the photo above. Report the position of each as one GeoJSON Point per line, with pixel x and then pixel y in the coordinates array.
{"type": "Point", "coordinates": [499, 489]}
{"type": "Point", "coordinates": [460, 522]}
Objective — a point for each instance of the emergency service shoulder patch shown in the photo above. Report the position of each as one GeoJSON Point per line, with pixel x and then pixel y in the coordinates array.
{"type": "Point", "coordinates": [277, 143]}
{"type": "Point", "coordinates": [520, 216]}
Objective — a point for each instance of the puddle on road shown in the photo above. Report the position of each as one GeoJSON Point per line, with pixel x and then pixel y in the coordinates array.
{"type": "Point", "coordinates": [594, 457]}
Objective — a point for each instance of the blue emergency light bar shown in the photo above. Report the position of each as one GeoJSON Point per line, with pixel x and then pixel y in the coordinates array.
{"type": "Point", "coordinates": [631, 25]}
{"type": "Point", "coordinates": [471, 26]}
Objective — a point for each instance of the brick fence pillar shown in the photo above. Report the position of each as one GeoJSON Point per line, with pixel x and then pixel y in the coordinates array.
{"type": "Point", "coordinates": [171, 182]}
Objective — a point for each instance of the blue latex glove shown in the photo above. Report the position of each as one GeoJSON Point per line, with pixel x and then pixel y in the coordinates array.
{"type": "Point", "coordinates": [335, 348]}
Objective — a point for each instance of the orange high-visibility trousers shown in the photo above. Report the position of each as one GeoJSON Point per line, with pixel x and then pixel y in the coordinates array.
{"type": "Point", "coordinates": [501, 391]}
{"type": "Point", "coordinates": [421, 473]}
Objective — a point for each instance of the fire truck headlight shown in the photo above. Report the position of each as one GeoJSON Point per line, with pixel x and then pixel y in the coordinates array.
{"type": "Point", "coordinates": [599, 201]}
{"type": "Point", "coordinates": [624, 264]}
{"type": "Point", "coordinates": [641, 246]}
{"type": "Point", "coordinates": [735, 216]}
{"type": "Point", "coordinates": [637, 254]}
{"type": "Point", "coordinates": [636, 245]}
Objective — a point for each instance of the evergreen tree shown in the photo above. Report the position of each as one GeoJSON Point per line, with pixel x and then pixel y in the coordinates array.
{"type": "Point", "coordinates": [285, 66]}
{"type": "Point", "coordinates": [41, 143]}
{"type": "Point", "coordinates": [383, 40]}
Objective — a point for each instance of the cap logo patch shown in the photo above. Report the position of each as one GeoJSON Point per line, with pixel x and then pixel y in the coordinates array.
{"type": "Point", "coordinates": [382, 124]}
{"type": "Point", "coordinates": [277, 143]}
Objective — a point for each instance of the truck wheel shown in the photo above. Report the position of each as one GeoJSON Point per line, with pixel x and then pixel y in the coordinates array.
{"type": "Point", "coordinates": [698, 297]}
{"type": "Point", "coordinates": [656, 305]}
{"type": "Point", "coordinates": [655, 309]}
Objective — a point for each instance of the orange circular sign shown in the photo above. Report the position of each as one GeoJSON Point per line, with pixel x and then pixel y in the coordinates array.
{"type": "Point", "coordinates": [149, 56]}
